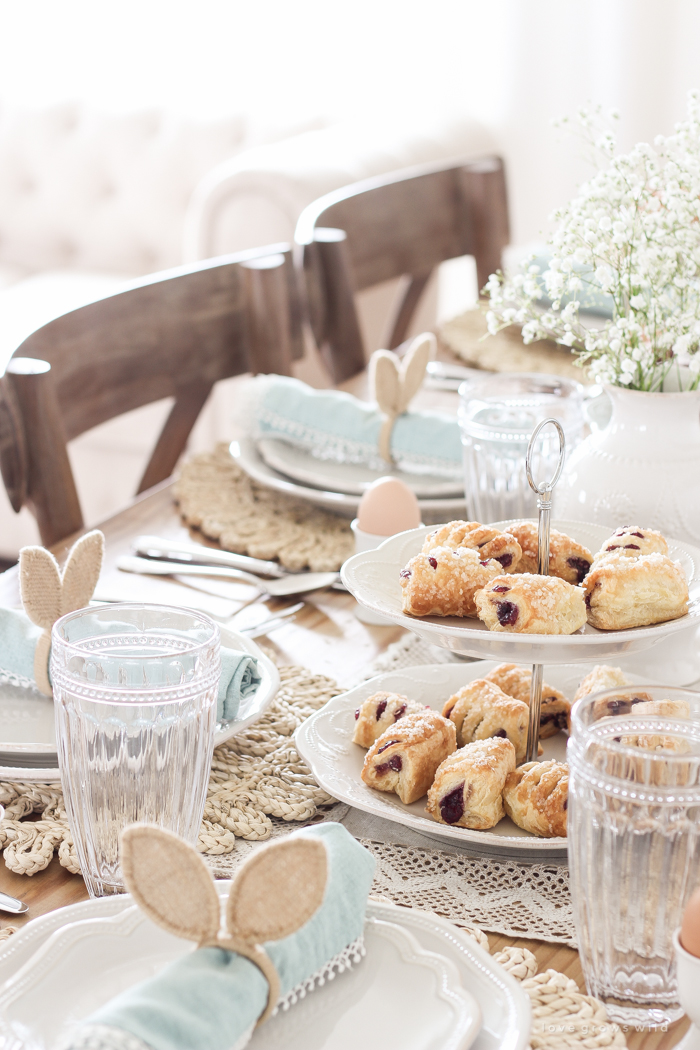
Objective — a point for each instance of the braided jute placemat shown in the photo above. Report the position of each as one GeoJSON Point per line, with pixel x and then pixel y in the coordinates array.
{"type": "Point", "coordinates": [218, 498]}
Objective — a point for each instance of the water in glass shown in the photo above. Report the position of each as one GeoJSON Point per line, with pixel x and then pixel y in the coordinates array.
{"type": "Point", "coordinates": [135, 690]}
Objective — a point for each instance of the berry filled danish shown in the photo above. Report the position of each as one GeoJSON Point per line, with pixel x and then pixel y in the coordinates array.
{"type": "Point", "coordinates": [468, 786]}
{"type": "Point", "coordinates": [623, 592]}
{"type": "Point", "coordinates": [555, 713]}
{"type": "Point", "coordinates": [536, 796]}
{"type": "Point", "coordinates": [529, 604]}
{"type": "Point", "coordinates": [632, 541]}
{"type": "Point", "coordinates": [481, 710]}
{"type": "Point", "coordinates": [444, 581]}
{"type": "Point", "coordinates": [568, 559]}
{"type": "Point", "coordinates": [379, 712]}
{"type": "Point", "coordinates": [406, 755]}
{"type": "Point", "coordinates": [490, 543]}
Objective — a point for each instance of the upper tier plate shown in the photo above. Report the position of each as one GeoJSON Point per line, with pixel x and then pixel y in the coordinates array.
{"type": "Point", "coordinates": [373, 578]}
{"type": "Point", "coordinates": [351, 478]}
{"type": "Point", "coordinates": [249, 459]}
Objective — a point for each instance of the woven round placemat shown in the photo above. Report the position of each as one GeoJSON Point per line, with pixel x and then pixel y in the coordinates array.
{"type": "Point", "coordinates": [218, 498]}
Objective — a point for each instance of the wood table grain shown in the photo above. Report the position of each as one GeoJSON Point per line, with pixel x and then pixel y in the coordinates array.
{"type": "Point", "coordinates": [327, 638]}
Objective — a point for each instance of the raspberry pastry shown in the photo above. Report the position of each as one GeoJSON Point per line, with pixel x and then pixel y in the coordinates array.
{"type": "Point", "coordinates": [481, 710]}
{"type": "Point", "coordinates": [468, 785]}
{"type": "Point", "coordinates": [529, 604]}
{"type": "Point", "coordinates": [379, 712]}
{"type": "Point", "coordinates": [490, 543]}
{"type": "Point", "coordinates": [632, 541]}
{"type": "Point", "coordinates": [444, 581]}
{"type": "Point", "coordinates": [601, 677]}
{"type": "Point", "coordinates": [673, 709]}
{"type": "Point", "coordinates": [536, 797]}
{"type": "Point", "coordinates": [405, 757]}
{"type": "Point", "coordinates": [568, 559]}
{"type": "Point", "coordinates": [555, 713]}
{"type": "Point", "coordinates": [624, 592]}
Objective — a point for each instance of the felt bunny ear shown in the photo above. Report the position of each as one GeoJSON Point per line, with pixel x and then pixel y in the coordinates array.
{"type": "Point", "coordinates": [40, 586]}
{"type": "Point", "coordinates": [384, 371]}
{"type": "Point", "coordinates": [170, 882]}
{"type": "Point", "coordinates": [414, 364]}
{"type": "Point", "coordinates": [277, 890]}
{"type": "Point", "coordinates": [82, 571]}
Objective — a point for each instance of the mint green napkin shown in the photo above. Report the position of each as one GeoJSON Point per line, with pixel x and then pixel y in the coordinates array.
{"type": "Point", "coordinates": [337, 426]}
{"type": "Point", "coordinates": [18, 638]}
{"type": "Point", "coordinates": [211, 999]}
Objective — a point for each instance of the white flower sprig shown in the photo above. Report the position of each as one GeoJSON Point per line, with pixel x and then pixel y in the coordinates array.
{"type": "Point", "coordinates": [632, 232]}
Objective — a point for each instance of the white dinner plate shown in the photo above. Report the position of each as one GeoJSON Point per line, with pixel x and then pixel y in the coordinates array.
{"type": "Point", "coordinates": [27, 725]}
{"type": "Point", "coordinates": [351, 478]}
{"type": "Point", "coordinates": [246, 454]}
{"type": "Point", "coordinates": [63, 965]}
{"type": "Point", "coordinates": [373, 578]}
{"type": "Point", "coordinates": [324, 741]}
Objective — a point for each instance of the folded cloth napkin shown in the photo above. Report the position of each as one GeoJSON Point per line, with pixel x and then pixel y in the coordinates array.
{"type": "Point", "coordinates": [212, 998]}
{"type": "Point", "coordinates": [19, 636]}
{"type": "Point", "coordinates": [333, 425]}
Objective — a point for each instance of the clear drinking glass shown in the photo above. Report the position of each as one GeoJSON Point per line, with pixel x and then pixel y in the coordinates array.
{"type": "Point", "coordinates": [135, 691]}
{"type": "Point", "coordinates": [634, 844]}
{"type": "Point", "coordinates": [496, 418]}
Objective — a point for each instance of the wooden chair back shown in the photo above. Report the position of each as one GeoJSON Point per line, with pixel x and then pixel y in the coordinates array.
{"type": "Point", "coordinates": [173, 334]}
{"type": "Point", "coordinates": [400, 225]}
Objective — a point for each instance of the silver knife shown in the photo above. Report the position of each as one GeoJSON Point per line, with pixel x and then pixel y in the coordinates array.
{"type": "Point", "coordinates": [188, 553]}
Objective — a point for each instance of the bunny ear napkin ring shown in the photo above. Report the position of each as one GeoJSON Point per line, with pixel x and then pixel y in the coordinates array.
{"type": "Point", "coordinates": [395, 382]}
{"type": "Point", "coordinates": [274, 893]}
{"type": "Point", "coordinates": [47, 594]}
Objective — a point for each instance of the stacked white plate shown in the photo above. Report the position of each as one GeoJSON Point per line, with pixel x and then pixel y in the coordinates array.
{"type": "Point", "coordinates": [423, 984]}
{"type": "Point", "coordinates": [27, 729]}
{"type": "Point", "coordinates": [338, 487]}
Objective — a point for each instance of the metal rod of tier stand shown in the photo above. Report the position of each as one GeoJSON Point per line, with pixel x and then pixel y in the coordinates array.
{"type": "Point", "coordinates": [544, 508]}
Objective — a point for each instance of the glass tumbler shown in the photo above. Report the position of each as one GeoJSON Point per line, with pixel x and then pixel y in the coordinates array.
{"type": "Point", "coordinates": [496, 418]}
{"type": "Point", "coordinates": [135, 690]}
{"type": "Point", "coordinates": [633, 842]}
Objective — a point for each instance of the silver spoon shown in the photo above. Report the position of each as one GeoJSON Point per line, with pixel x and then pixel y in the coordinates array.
{"type": "Point", "coordinates": [299, 583]}
{"type": "Point", "coordinates": [12, 905]}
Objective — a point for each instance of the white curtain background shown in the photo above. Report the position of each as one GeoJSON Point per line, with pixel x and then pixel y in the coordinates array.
{"type": "Point", "coordinates": [515, 64]}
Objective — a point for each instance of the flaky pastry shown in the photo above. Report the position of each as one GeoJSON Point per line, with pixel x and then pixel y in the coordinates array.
{"type": "Point", "coordinates": [468, 786]}
{"type": "Point", "coordinates": [405, 757]}
{"type": "Point", "coordinates": [379, 712]}
{"type": "Point", "coordinates": [444, 581]}
{"type": "Point", "coordinates": [632, 541]}
{"type": "Point", "coordinates": [568, 559]}
{"type": "Point", "coordinates": [624, 592]}
{"type": "Point", "coordinates": [481, 710]}
{"type": "Point", "coordinates": [529, 604]}
{"type": "Point", "coordinates": [489, 542]}
{"type": "Point", "coordinates": [555, 713]}
{"type": "Point", "coordinates": [536, 796]}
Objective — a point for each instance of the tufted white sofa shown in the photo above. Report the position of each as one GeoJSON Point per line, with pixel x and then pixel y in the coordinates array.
{"type": "Point", "coordinates": [90, 200]}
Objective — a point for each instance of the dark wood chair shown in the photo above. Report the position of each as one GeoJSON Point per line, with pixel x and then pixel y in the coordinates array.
{"type": "Point", "coordinates": [400, 225]}
{"type": "Point", "coordinates": [172, 334]}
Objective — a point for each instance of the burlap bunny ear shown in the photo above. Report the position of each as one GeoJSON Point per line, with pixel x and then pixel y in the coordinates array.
{"type": "Point", "coordinates": [395, 382]}
{"type": "Point", "coordinates": [47, 595]}
{"type": "Point", "coordinates": [274, 893]}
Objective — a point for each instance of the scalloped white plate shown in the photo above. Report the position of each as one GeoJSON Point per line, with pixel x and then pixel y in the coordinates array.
{"type": "Point", "coordinates": [27, 727]}
{"type": "Point", "coordinates": [373, 578]}
{"type": "Point", "coordinates": [85, 964]}
{"type": "Point", "coordinates": [324, 741]}
{"type": "Point", "coordinates": [246, 454]}
{"type": "Point", "coordinates": [351, 478]}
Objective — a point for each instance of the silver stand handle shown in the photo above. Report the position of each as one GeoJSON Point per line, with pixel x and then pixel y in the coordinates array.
{"type": "Point", "coordinates": [544, 507]}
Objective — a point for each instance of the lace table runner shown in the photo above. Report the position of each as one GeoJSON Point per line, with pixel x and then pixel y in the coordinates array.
{"type": "Point", "coordinates": [219, 498]}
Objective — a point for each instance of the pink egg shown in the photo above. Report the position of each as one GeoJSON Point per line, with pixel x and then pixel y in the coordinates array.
{"type": "Point", "coordinates": [690, 927]}
{"type": "Point", "coordinates": [387, 507]}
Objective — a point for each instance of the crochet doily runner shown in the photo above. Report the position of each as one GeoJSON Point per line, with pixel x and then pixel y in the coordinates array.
{"type": "Point", "coordinates": [218, 498]}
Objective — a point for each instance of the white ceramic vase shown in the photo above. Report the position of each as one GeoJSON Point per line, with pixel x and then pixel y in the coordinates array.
{"type": "Point", "coordinates": [642, 469]}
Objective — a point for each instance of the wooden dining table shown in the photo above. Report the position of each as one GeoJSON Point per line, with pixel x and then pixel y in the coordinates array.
{"type": "Point", "coordinates": [327, 638]}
